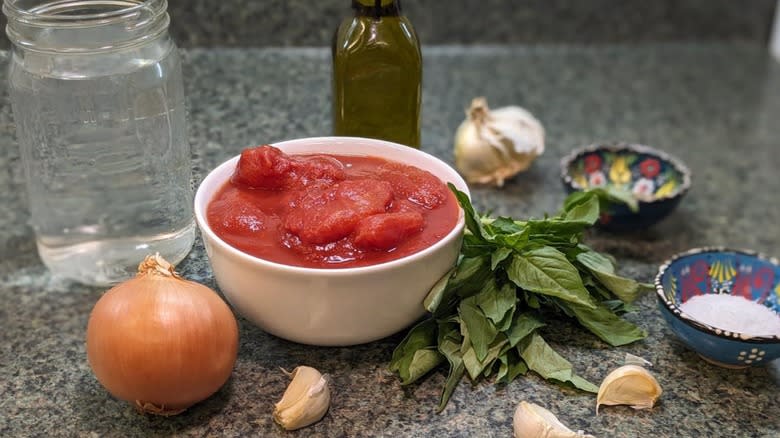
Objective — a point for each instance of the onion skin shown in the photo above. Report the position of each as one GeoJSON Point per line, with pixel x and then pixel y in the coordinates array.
{"type": "Point", "coordinates": [161, 342]}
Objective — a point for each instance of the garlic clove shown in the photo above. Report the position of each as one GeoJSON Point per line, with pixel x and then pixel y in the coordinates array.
{"type": "Point", "coordinates": [629, 385]}
{"type": "Point", "coordinates": [305, 401]}
{"type": "Point", "coordinates": [533, 421]}
{"type": "Point", "coordinates": [476, 162]}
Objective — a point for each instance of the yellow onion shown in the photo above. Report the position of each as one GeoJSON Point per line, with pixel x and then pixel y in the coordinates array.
{"type": "Point", "coordinates": [161, 342]}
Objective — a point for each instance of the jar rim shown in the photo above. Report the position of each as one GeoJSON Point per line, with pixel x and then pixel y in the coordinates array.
{"type": "Point", "coordinates": [98, 26]}
{"type": "Point", "coordinates": [50, 13]}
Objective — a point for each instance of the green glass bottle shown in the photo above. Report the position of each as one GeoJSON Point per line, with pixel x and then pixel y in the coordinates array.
{"type": "Point", "coordinates": [377, 74]}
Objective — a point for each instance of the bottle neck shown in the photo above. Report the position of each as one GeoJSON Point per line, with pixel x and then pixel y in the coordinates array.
{"type": "Point", "coordinates": [377, 8]}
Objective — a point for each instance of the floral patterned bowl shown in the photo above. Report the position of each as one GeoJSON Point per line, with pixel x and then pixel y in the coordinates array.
{"type": "Point", "coordinates": [657, 180]}
{"type": "Point", "coordinates": [720, 271]}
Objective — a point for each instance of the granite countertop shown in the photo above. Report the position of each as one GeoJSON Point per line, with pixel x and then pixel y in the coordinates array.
{"type": "Point", "coordinates": [715, 106]}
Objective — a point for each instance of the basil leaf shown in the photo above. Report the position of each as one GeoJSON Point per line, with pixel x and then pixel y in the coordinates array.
{"type": "Point", "coordinates": [577, 198]}
{"type": "Point", "coordinates": [488, 371]}
{"type": "Point", "coordinates": [545, 361]}
{"type": "Point", "coordinates": [465, 342]}
{"type": "Point", "coordinates": [555, 231]}
{"type": "Point", "coordinates": [618, 307]}
{"type": "Point", "coordinates": [480, 330]}
{"type": "Point", "coordinates": [532, 300]}
{"type": "Point", "coordinates": [546, 271]}
{"type": "Point", "coordinates": [437, 292]}
{"type": "Point", "coordinates": [506, 322]}
{"type": "Point", "coordinates": [586, 212]}
{"type": "Point", "coordinates": [515, 241]}
{"type": "Point", "coordinates": [617, 194]}
{"type": "Point", "coordinates": [583, 384]}
{"type": "Point", "coordinates": [595, 288]}
{"type": "Point", "coordinates": [471, 275]}
{"type": "Point", "coordinates": [503, 369]}
{"type": "Point", "coordinates": [475, 246]}
{"type": "Point", "coordinates": [422, 362]}
{"type": "Point", "coordinates": [522, 325]}
{"type": "Point", "coordinates": [449, 329]}
{"type": "Point", "coordinates": [409, 365]}
{"type": "Point", "coordinates": [473, 223]}
{"type": "Point", "coordinates": [505, 225]}
{"type": "Point", "coordinates": [472, 364]}
{"type": "Point", "coordinates": [647, 287]}
{"type": "Point", "coordinates": [475, 366]}
{"type": "Point", "coordinates": [495, 303]}
{"type": "Point", "coordinates": [595, 261]}
{"type": "Point", "coordinates": [624, 288]}
{"type": "Point", "coordinates": [613, 194]}
{"type": "Point", "coordinates": [511, 366]}
{"type": "Point", "coordinates": [606, 325]}
{"type": "Point", "coordinates": [499, 256]}
{"type": "Point", "coordinates": [467, 268]}
{"type": "Point", "coordinates": [449, 347]}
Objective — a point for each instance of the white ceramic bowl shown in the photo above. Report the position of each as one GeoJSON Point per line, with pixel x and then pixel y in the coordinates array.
{"type": "Point", "coordinates": [330, 306]}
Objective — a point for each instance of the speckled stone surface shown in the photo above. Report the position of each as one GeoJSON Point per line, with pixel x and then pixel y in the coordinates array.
{"type": "Point", "coordinates": [715, 106]}
{"type": "Point", "coordinates": [260, 23]}
{"type": "Point", "coordinates": [304, 22]}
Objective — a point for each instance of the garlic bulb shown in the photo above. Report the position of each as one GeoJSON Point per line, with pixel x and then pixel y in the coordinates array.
{"type": "Point", "coordinates": [533, 421]}
{"type": "Point", "coordinates": [491, 146]}
{"type": "Point", "coordinates": [629, 385]}
{"type": "Point", "coordinates": [305, 401]}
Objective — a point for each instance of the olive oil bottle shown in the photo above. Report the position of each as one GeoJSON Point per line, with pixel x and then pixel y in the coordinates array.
{"type": "Point", "coordinates": [377, 74]}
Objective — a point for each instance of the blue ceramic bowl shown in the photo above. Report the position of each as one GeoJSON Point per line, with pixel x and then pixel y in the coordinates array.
{"type": "Point", "coordinates": [656, 179]}
{"type": "Point", "coordinates": [720, 271]}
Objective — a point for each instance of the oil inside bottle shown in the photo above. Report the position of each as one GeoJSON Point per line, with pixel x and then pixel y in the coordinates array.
{"type": "Point", "coordinates": [377, 74]}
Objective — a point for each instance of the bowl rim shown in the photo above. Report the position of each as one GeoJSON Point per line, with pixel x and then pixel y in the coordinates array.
{"type": "Point", "coordinates": [205, 228]}
{"type": "Point", "coordinates": [678, 164]}
{"type": "Point", "coordinates": [711, 330]}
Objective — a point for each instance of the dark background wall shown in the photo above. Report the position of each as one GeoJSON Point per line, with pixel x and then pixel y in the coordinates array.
{"type": "Point", "coordinates": [209, 23]}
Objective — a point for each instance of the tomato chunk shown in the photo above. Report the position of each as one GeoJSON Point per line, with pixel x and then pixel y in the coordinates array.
{"type": "Point", "coordinates": [317, 169]}
{"type": "Point", "coordinates": [417, 185]}
{"type": "Point", "coordinates": [267, 167]}
{"type": "Point", "coordinates": [235, 213]}
{"type": "Point", "coordinates": [385, 231]}
{"type": "Point", "coordinates": [323, 214]}
{"type": "Point", "coordinates": [402, 206]}
{"type": "Point", "coordinates": [263, 167]}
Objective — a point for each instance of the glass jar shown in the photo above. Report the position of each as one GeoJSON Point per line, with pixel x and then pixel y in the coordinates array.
{"type": "Point", "coordinates": [98, 101]}
{"type": "Point", "coordinates": [377, 74]}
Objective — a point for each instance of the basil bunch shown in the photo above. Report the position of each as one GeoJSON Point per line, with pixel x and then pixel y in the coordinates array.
{"type": "Point", "coordinates": [485, 313]}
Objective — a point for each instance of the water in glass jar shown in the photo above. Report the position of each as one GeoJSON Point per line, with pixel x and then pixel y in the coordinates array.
{"type": "Point", "coordinates": [105, 150]}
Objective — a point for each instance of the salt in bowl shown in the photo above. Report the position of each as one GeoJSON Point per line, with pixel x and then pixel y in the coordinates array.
{"type": "Point", "coordinates": [720, 271]}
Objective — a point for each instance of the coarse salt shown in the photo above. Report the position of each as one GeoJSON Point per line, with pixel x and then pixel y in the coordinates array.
{"type": "Point", "coordinates": [733, 313]}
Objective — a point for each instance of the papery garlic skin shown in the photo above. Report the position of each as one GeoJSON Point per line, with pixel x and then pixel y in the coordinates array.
{"type": "Point", "coordinates": [629, 385]}
{"type": "Point", "coordinates": [533, 421]}
{"type": "Point", "coordinates": [494, 145]}
{"type": "Point", "coordinates": [305, 401]}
